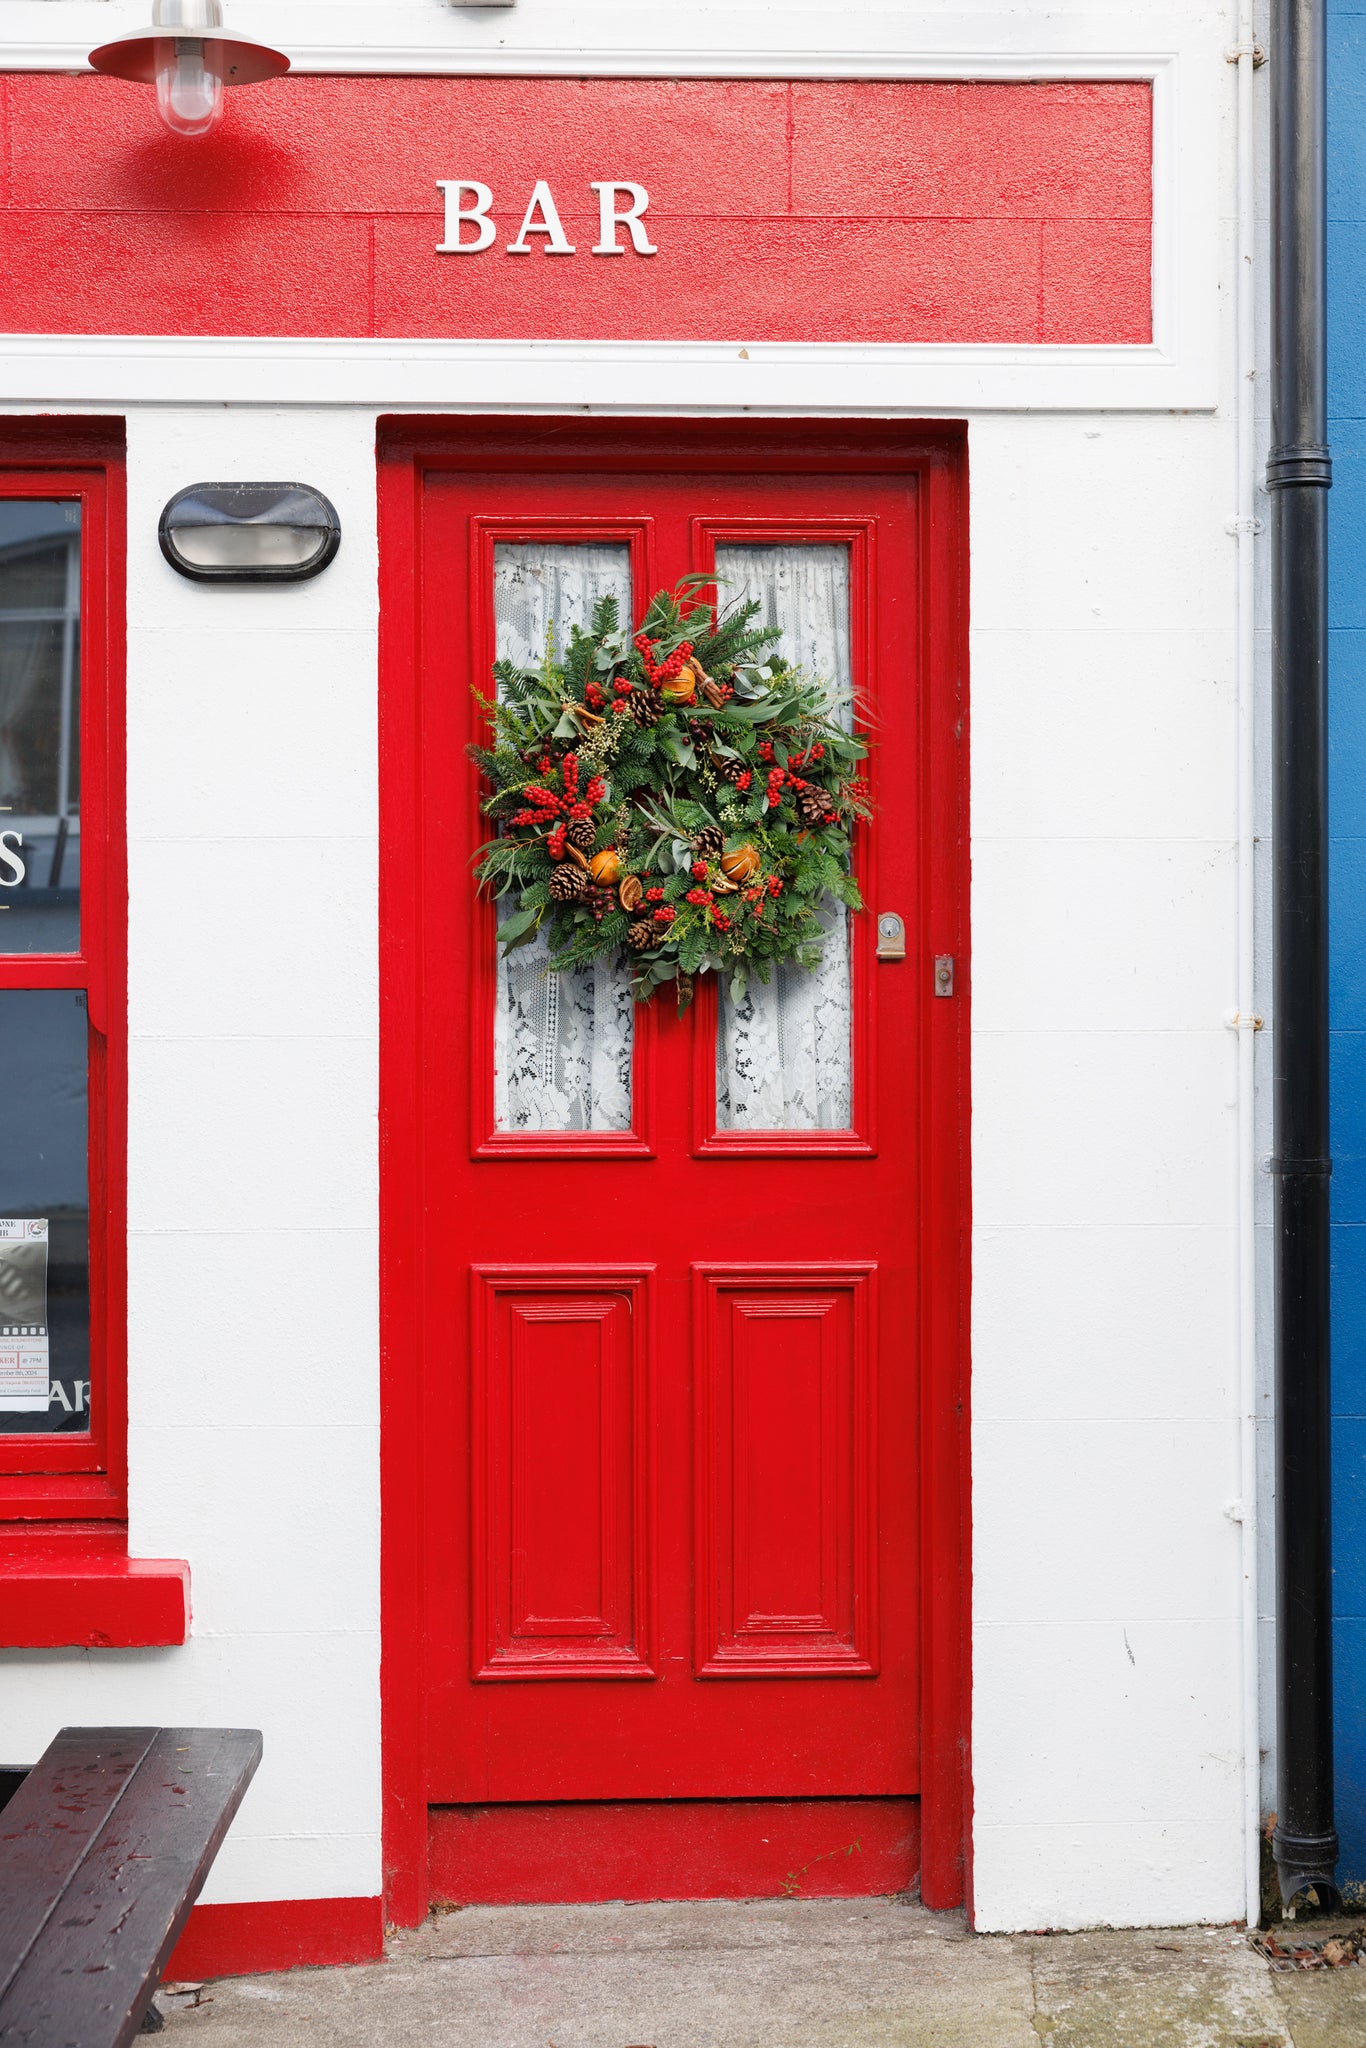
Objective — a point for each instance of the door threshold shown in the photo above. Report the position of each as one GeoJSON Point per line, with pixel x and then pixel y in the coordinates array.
{"type": "Point", "coordinates": [587, 1852]}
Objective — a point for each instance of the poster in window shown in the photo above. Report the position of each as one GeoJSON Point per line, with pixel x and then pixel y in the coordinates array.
{"type": "Point", "coordinates": [24, 1359]}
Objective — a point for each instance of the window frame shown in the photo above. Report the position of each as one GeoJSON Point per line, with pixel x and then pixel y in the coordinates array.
{"type": "Point", "coordinates": [68, 1476]}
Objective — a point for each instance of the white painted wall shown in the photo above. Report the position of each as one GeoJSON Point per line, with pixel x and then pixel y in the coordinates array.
{"type": "Point", "coordinates": [1106, 1576]}
{"type": "Point", "coordinates": [253, 1296]}
{"type": "Point", "coordinates": [1106, 1733]}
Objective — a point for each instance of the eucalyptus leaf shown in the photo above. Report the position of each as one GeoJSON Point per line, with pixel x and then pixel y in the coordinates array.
{"type": "Point", "coordinates": [521, 921]}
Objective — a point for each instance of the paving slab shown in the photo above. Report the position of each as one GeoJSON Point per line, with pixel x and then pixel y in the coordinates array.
{"type": "Point", "coordinates": [779, 1973]}
{"type": "Point", "coordinates": [1184, 1988]}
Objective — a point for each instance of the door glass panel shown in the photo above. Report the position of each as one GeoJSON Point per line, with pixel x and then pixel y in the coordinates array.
{"type": "Point", "coordinates": [783, 1056]}
{"type": "Point", "coordinates": [44, 1212]}
{"type": "Point", "coordinates": [561, 1042]}
{"type": "Point", "coordinates": [40, 770]}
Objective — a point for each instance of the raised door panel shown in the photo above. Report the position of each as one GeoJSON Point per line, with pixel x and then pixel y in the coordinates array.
{"type": "Point", "coordinates": [560, 1517]}
{"type": "Point", "coordinates": [786, 1506]}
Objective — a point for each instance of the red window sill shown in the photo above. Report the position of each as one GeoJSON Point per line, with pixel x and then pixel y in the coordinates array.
{"type": "Point", "coordinates": [79, 1589]}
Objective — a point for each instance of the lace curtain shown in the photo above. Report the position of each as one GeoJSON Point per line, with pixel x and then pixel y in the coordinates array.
{"type": "Point", "coordinates": [561, 1042]}
{"type": "Point", "coordinates": [783, 1054]}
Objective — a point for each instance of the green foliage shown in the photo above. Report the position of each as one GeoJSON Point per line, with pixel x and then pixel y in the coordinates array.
{"type": "Point", "coordinates": [758, 757]}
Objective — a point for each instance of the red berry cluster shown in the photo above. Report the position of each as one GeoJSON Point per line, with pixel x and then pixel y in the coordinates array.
{"type": "Point", "coordinates": [744, 778]}
{"type": "Point", "coordinates": [654, 895]}
{"type": "Point", "coordinates": [700, 896]}
{"type": "Point", "coordinates": [555, 842]}
{"type": "Point", "coordinates": [662, 671]}
{"type": "Point", "coordinates": [699, 871]}
{"type": "Point", "coordinates": [665, 915]}
{"type": "Point", "coordinates": [719, 917]}
{"type": "Point", "coordinates": [765, 750]}
{"type": "Point", "coordinates": [593, 696]}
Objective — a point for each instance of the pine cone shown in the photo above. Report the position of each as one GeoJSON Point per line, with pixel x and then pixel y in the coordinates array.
{"type": "Point", "coordinates": [709, 842]}
{"type": "Point", "coordinates": [581, 832]}
{"type": "Point", "coordinates": [646, 706]}
{"type": "Point", "coordinates": [813, 806]}
{"type": "Point", "coordinates": [568, 884]}
{"type": "Point", "coordinates": [640, 935]}
{"type": "Point", "coordinates": [729, 771]}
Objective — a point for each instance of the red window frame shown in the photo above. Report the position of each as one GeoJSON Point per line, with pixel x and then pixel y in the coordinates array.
{"type": "Point", "coordinates": [72, 1476]}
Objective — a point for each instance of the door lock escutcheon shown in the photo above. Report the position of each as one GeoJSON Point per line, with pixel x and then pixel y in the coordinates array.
{"type": "Point", "coordinates": [891, 936]}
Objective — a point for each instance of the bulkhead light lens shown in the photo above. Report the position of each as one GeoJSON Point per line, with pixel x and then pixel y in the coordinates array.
{"type": "Point", "coordinates": [249, 532]}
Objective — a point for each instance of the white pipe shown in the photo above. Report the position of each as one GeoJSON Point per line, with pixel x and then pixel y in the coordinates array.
{"type": "Point", "coordinates": [1247, 1022]}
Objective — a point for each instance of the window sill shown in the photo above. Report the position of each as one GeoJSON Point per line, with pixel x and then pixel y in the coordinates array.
{"type": "Point", "coordinates": [79, 1589]}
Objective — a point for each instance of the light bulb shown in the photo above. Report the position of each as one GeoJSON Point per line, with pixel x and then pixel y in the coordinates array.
{"type": "Point", "coordinates": [189, 84]}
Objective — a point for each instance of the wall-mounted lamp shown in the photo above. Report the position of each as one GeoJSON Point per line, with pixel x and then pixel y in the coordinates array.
{"type": "Point", "coordinates": [190, 57]}
{"type": "Point", "coordinates": [249, 533]}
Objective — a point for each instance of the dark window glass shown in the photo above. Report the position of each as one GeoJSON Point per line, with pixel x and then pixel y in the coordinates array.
{"type": "Point", "coordinates": [40, 756]}
{"type": "Point", "coordinates": [44, 1212]}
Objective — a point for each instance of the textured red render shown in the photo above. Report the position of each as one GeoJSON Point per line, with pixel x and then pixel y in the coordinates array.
{"type": "Point", "coordinates": [688, 1849]}
{"type": "Point", "coordinates": [276, 1934]}
{"type": "Point", "coordinates": [910, 211]}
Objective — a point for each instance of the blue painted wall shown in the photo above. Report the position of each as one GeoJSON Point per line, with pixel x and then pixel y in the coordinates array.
{"type": "Point", "coordinates": [1347, 827]}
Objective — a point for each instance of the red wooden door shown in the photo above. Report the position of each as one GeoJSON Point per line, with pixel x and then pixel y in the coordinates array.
{"type": "Point", "coordinates": [678, 1311]}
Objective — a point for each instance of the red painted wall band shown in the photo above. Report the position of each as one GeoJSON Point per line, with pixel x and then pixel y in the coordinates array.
{"type": "Point", "coordinates": [913, 211]}
{"type": "Point", "coordinates": [276, 1934]}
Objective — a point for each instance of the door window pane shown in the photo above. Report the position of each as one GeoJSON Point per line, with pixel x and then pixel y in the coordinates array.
{"type": "Point", "coordinates": [44, 1212]}
{"type": "Point", "coordinates": [561, 1042]}
{"type": "Point", "coordinates": [783, 1055]}
{"type": "Point", "coordinates": [40, 768]}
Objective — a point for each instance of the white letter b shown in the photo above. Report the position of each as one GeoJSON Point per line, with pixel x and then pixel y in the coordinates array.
{"type": "Point", "coordinates": [456, 215]}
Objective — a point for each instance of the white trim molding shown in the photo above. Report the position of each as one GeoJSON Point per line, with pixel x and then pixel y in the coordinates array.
{"type": "Point", "coordinates": [848, 380]}
{"type": "Point", "coordinates": [640, 38]}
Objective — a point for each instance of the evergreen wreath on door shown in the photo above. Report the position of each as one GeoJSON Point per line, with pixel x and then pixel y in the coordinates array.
{"type": "Point", "coordinates": [681, 793]}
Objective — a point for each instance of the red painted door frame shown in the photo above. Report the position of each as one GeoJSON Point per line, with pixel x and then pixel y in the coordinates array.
{"type": "Point", "coordinates": [937, 456]}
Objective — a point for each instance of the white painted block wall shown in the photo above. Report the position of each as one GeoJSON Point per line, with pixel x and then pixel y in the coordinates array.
{"type": "Point", "coordinates": [1105, 1725]}
{"type": "Point", "coordinates": [1106, 1731]}
{"type": "Point", "coordinates": [253, 1295]}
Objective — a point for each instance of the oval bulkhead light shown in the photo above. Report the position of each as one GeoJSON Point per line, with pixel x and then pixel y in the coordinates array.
{"type": "Point", "coordinates": [249, 532]}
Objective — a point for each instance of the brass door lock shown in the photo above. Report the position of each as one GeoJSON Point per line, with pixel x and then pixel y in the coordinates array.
{"type": "Point", "coordinates": [891, 936]}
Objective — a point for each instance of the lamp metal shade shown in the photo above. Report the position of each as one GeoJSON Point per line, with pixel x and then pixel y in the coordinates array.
{"type": "Point", "coordinates": [237, 60]}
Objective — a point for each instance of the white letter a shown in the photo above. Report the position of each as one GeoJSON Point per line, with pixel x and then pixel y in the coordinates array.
{"type": "Point", "coordinates": [558, 243]}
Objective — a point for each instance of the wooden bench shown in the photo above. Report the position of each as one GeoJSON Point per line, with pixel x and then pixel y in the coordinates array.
{"type": "Point", "coordinates": [104, 1848]}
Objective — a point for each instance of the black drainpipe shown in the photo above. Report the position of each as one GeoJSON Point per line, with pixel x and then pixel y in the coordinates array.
{"type": "Point", "coordinates": [1299, 471]}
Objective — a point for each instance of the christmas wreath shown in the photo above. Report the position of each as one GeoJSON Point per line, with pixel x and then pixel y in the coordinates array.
{"type": "Point", "coordinates": [681, 793]}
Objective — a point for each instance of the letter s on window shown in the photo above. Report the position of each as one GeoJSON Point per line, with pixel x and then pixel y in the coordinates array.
{"type": "Point", "coordinates": [457, 214]}
{"type": "Point", "coordinates": [9, 858]}
{"type": "Point", "coordinates": [609, 220]}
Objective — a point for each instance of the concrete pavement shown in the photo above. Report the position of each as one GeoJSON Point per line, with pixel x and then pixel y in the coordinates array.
{"type": "Point", "coordinates": [788, 1973]}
